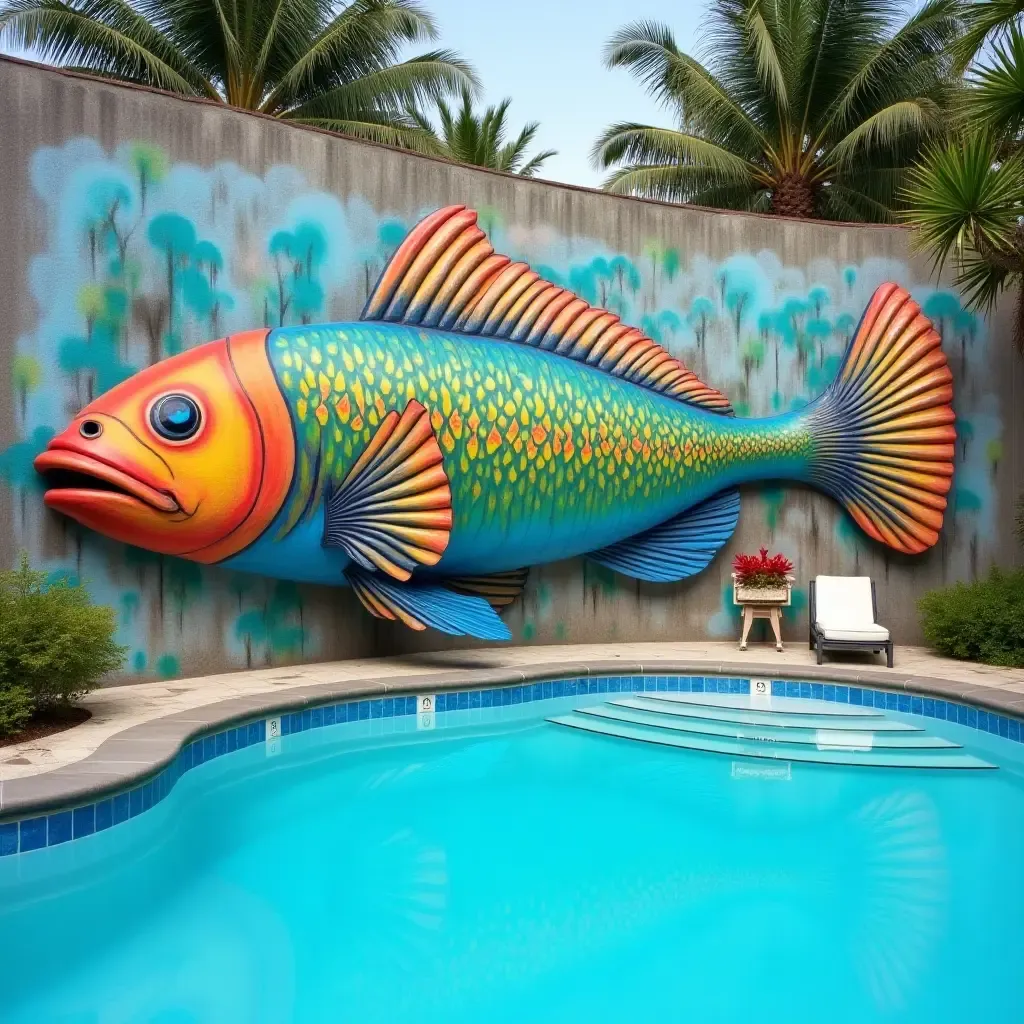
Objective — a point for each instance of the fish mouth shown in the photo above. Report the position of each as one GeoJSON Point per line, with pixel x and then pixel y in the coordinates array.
{"type": "Point", "coordinates": [72, 476]}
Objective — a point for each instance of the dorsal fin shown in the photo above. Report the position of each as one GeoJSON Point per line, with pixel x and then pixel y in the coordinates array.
{"type": "Point", "coordinates": [447, 275]}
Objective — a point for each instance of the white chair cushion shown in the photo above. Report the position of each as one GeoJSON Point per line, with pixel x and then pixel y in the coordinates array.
{"type": "Point", "coordinates": [844, 602]}
{"type": "Point", "coordinates": [867, 633]}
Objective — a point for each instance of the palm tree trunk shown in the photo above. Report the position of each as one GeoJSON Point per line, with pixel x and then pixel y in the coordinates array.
{"type": "Point", "coordinates": [793, 196]}
{"type": "Point", "coordinates": [1018, 332]}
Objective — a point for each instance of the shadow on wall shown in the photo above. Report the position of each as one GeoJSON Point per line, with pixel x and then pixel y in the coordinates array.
{"type": "Point", "coordinates": [144, 257]}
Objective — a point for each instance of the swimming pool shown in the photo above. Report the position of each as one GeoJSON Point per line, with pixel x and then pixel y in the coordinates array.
{"type": "Point", "coordinates": [485, 864]}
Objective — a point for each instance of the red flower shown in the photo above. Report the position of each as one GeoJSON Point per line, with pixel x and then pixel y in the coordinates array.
{"type": "Point", "coordinates": [760, 570]}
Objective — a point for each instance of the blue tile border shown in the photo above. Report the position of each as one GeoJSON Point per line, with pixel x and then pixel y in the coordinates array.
{"type": "Point", "coordinates": [60, 826]}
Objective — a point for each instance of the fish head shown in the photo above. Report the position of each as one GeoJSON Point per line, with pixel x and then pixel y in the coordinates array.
{"type": "Point", "coordinates": [190, 457]}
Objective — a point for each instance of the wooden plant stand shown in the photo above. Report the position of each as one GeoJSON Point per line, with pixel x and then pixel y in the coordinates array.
{"type": "Point", "coordinates": [762, 604]}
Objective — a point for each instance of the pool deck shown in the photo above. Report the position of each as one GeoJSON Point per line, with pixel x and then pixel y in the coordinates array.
{"type": "Point", "coordinates": [136, 728]}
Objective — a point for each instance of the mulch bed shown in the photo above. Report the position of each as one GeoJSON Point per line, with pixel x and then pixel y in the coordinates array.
{"type": "Point", "coordinates": [46, 724]}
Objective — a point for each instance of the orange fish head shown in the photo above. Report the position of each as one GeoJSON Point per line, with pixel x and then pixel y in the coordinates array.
{"type": "Point", "coordinates": [190, 457]}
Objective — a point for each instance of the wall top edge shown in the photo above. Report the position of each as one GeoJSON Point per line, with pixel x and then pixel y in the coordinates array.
{"type": "Point", "coordinates": [35, 67]}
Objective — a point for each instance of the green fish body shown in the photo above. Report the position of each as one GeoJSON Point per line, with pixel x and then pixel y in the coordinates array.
{"type": "Point", "coordinates": [546, 457]}
{"type": "Point", "coordinates": [479, 419]}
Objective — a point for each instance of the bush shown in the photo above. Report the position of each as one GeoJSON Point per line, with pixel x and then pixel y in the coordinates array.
{"type": "Point", "coordinates": [981, 621]}
{"type": "Point", "coordinates": [55, 644]}
{"type": "Point", "coordinates": [16, 708]}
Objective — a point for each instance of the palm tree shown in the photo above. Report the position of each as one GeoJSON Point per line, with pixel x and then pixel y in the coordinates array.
{"type": "Point", "coordinates": [479, 139]}
{"type": "Point", "coordinates": [966, 198]}
{"type": "Point", "coordinates": [304, 60]}
{"type": "Point", "coordinates": [804, 107]}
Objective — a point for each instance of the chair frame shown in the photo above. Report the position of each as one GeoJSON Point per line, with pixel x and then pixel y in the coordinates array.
{"type": "Point", "coordinates": [819, 644]}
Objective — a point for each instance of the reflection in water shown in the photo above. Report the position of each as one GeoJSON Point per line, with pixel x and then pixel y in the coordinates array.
{"type": "Point", "coordinates": [903, 870]}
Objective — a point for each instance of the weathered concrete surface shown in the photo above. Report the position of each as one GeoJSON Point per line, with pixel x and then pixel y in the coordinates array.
{"type": "Point", "coordinates": [238, 180]}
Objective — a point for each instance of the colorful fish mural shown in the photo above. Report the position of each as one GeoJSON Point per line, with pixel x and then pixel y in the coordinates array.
{"type": "Point", "coordinates": [477, 420]}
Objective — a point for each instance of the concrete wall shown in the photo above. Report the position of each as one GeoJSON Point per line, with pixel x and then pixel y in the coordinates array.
{"type": "Point", "coordinates": [99, 181]}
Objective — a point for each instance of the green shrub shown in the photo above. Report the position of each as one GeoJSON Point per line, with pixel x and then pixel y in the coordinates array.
{"type": "Point", "coordinates": [54, 642]}
{"type": "Point", "coordinates": [981, 621]}
{"type": "Point", "coordinates": [16, 708]}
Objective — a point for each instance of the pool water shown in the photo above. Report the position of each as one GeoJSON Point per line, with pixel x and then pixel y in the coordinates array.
{"type": "Point", "coordinates": [518, 871]}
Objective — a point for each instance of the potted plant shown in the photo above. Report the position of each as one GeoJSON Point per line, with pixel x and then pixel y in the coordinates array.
{"type": "Point", "coordinates": [760, 579]}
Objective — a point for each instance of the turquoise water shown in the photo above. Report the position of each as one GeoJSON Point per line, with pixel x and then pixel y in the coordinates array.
{"type": "Point", "coordinates": [526, 872]}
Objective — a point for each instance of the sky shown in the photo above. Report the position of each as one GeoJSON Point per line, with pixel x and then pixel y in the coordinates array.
{"type": "Point", "coordinates": [546, 56]}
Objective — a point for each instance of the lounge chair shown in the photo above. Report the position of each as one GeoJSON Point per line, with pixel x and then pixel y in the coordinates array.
{"type": "Point", "coordinates": [843, 616]}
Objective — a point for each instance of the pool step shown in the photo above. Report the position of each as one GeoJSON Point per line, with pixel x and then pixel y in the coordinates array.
{"type": "Point", "coordinates": [875, 723]}
{"type": "Point", "coordinates": [774, 728]}
{"type": "Point", "coordinates": [776, 705]}
{"type": "Point", "coordinates": [801, 735]}
{"type": "Point", "coordinates": [757, 748]}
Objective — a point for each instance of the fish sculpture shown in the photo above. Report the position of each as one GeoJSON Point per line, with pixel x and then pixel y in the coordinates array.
{"type": "Point", "coordinates": [477, 420]}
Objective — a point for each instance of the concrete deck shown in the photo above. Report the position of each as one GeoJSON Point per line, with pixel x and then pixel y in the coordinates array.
{"type": "Point", "coordinates": [136, 729]}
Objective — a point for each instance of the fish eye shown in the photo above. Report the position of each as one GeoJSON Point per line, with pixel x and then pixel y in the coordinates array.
{"type": "Point", "coordinates": [176, 417]}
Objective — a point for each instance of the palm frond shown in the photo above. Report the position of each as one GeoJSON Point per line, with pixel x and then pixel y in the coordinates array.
{"type": "Point", "coordinates": [381, 128]}
{"type": "Point", "coordinates": [961, 199]}
{"type": "Point", "coordinates": [841, 201]}
{"type": "Point", "coordinates": [532, 166]}
{"type": "Point", "coordinates": [769, 63]}
{"type": "Point", "coordinates": [919, 48]}
{"type": "Point", "coordinates": [996, 100]}
{"type": "Point", "coordinates": [478, 139]}
{"type": "Point", "coordinates": [512, 154]}
{"type": "Point", "coordinates": [917, 118]}
{"type": "Point", "coordinates": [981, 281]}
{"type": "Point", "coordinates": [417, 118]}
{"type": "Point", "coordinates": [412, 82]}
{"type": "Point", "coordinates": [649, 51]}
{"type": "Point", "coordinates": [280, 22]}
{"type": "Point", "coordinates": [204, 30]}
{"type": "Point", "coordinates": [984, 20]}
{"type": "Point", "coordinates": [682, 184]}
{"type": "Point", "coordinates": [646, 48]}
{"type": "Point", "coordinates": [108, 36]}
{"type": "Point", "coordinates": [366, 36]}
{"type": "Point", "coordinates": [646, 145]}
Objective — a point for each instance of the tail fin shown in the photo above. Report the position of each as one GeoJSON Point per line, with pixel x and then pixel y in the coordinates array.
{"type": "Point", "coordinates": [883, 433]}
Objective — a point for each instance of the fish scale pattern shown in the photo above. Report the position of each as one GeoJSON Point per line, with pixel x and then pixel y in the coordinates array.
{"type": "Point", "coordinates": [524, 434]}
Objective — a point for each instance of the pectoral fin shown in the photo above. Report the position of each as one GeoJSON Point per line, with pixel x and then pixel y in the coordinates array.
{"type": "Point", "coordinates": [678, 548]}
{"type": "Point", "coordinates": [393, 511]}
{"type": "Point", "coordinates": [499, 589]}
{"type": "Point", "coordinates": [419, 605]}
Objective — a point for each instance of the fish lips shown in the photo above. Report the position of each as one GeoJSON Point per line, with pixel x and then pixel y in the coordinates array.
{"type": "Point", "coordinates": [79, 482]}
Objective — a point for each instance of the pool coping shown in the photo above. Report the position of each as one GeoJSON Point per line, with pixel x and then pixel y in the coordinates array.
{"type": "Point", "coordinates": [140, 751]}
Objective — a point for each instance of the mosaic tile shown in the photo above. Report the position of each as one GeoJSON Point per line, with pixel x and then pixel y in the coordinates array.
{"type": "Point", "coordinates": [59, 828]}
{"type": "Point", "coordinates": [8, 838]}
{"type": "Point", "coordinates": [32, 834]}
{"type": "Point", "coordinates": [84, 822]}
{"type": "Point", "coordinates": [121, 808]}
{"type": "Point", "coordinates": [104, 815]}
